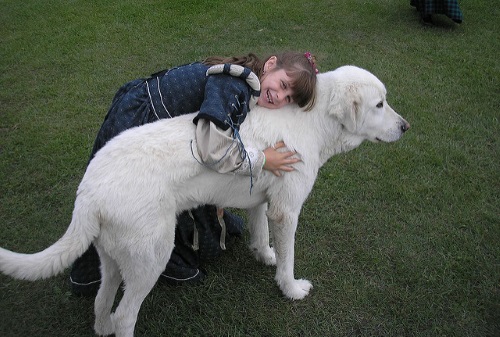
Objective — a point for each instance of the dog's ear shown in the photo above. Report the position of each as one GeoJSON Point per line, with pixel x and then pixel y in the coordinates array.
{"type": "Point", "coordinates": [345, 107]}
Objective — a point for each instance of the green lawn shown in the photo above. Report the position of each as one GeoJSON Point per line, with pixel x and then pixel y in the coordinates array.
{"type": "Point", "coordinates": [398, 239]}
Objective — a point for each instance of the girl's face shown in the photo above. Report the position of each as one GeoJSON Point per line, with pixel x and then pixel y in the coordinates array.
{"type": "Point", "coordinates": [275, 87]}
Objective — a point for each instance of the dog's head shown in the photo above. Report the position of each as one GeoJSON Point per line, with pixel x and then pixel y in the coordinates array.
{"type": "Point", "coordinates": [359, 104]}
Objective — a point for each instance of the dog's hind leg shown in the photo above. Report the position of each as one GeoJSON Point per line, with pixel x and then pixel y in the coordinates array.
{"type": "Point", "coordinates": [259, 235]}
{"type": "Point", "coordinates": [110, 282]}
{"type": "Point", "coordinates": [141, 267]}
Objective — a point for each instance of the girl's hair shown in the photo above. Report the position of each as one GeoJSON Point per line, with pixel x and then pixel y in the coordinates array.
{"type": "Point", "coordinates": [299, 67]}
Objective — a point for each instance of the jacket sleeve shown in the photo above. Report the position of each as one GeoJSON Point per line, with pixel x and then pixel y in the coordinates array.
{"type": "Point", "coordinates": [221, 152]}
{"type": "Point", "coordinates": [225, 102]}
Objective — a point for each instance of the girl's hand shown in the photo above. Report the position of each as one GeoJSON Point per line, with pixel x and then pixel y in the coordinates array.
{"type": "Point", "coordinates": [279, 161]}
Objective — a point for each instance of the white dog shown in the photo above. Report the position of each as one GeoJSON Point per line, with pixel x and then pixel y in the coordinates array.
{"type": "Point", "coordinates": [135, 186]}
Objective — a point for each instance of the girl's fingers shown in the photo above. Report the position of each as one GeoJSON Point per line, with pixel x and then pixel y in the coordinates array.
{"type": "Point", "coordinates": [279, 145]}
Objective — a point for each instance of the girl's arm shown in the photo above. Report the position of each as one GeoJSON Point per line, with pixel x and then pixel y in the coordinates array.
{"type": "Point", "coordinates": [218, 150]}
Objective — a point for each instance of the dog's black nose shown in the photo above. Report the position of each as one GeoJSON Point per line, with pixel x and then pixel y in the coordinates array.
{"type": "Point", "coordinates": [405, 126]}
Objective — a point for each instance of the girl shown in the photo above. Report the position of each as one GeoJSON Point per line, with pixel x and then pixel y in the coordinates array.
{"type": "Point", "coordinates": [223, 90]}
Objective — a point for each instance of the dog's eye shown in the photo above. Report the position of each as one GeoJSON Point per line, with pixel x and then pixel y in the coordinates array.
{"type": "Point", "coordinates": [380, 105]}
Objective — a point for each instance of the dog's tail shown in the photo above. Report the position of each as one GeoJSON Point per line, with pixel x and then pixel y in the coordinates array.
{"type": "Point", "coordinates": [83, 229]}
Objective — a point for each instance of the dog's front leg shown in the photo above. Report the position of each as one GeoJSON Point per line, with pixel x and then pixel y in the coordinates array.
{"type": "Point", "coordinates": [283, 225]}
{"type": "Point", "coordinates": [259, 235]}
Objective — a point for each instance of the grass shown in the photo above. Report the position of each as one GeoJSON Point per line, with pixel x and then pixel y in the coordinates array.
{"type": "Point", "coordinates": [398, 240]}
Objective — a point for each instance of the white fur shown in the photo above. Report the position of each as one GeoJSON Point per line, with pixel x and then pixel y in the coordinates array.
{"type": "Point", "coordinates": [132, 190]}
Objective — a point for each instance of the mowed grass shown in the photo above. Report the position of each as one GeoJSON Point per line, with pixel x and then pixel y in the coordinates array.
{"type": "Point", "coordinates": [398, 239]}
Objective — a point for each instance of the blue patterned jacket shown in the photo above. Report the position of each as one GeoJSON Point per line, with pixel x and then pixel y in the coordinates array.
{"type": "Point", "coordinates": [223, 99]}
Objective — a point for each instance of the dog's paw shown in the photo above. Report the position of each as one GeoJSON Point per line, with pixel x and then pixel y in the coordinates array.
{"type": "Point", "coordinates": [265, 255]}
{"type": "Point", "coordinates": [297, 289]}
